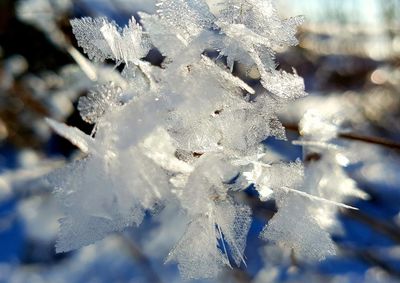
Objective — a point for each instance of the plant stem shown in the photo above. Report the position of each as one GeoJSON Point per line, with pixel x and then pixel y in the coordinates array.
{"type": "Point", "coordinates": [356, 137]}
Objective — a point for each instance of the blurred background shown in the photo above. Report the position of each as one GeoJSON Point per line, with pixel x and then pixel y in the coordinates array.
{"type": "Point", "coordinates": [349, 57]}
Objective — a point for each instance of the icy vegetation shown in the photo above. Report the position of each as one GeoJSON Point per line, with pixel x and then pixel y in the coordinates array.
{"type": "Point", "coordinates": [190, 132]}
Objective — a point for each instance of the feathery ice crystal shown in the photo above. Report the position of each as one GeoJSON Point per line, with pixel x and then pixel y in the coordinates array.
{"type": "Point", "coordinates": [189, 131]}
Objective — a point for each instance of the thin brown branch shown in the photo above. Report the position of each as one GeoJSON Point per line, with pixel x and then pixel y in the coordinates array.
{"type": "Point", "coordinates": [384, 227]}
{"type": "Point", "coordinates": [356, 137]}
{"type": "Point", "coordinates": [141, 259]}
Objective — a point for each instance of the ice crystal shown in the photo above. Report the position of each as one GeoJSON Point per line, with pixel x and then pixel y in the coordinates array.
{"type": "Point", "coordinates": [101, 39]}
{"type": "Point", "coordinates": [295, 229]}
{"type": "Point", "coordinates": [293, 226]}
{"type": "Point", "coordinates": [315, 127]}
{"type": "Point", "coordinates": [315, 199]}
{"type": "Point", "coordinates": [268, 177]}
{"type": "Point", "coordinates": [186, 18]}
{"type": "Point", "coordinates": [213, 216]}
{"type": "Point", "coordinates": [98, 101]}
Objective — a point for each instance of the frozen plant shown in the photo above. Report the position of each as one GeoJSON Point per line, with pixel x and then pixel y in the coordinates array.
{"type": "Point", "coordinates": [308, 234]}
{"type": "Point", "coordinates": [188, 131]}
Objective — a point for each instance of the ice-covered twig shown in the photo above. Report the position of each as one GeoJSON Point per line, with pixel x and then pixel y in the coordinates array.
{"type": "Point", "coordinates": [74, 135]}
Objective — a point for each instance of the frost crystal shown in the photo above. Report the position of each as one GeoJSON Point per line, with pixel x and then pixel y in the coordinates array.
{"type": "Point", "coordinates": [188, 133]}
{"type": "Point", "coordinates": [102, 40]}
{"type": "Point", "coordinates": [214, 216]}
{"type": "Point", "coordinates": [98, 101]}
{"type": "Point", "coordinates": [186, 18]}
{"type": "Point", "coordinates": [314, 201]}
{"type": "Point", "coordinates": [294, 228]}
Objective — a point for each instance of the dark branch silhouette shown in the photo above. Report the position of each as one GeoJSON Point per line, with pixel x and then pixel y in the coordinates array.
{"type": "Point", "coordinates": [356, 137]}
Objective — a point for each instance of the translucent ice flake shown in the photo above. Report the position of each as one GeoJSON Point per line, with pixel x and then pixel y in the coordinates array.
{"type": "Point", "coordinates": [74, 135]}
{"type": "Point", "coordinates": [284, 85]}
{"type": "Point", "coordinates": [267, 178]}
{"type": "Point", "coordinates": [294, 228]}
{"type": "Point", "coordinates": [217, 226]}
{"type": "Point", "coordinates": [101, 39]}
{"type": "Point", "coordinates": [103, 195]}
{"type": "Point", "coordinates": [255, 16]}
{"type": "Point", "coordinates": [187, 17]}
{"type": "Point", "coordinates": [94, 105]}
{"type": "Point", "coordinates": [255, 31]}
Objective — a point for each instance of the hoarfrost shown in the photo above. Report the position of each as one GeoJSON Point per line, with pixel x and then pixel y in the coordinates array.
{"type": "Point", "coordinates": [217, 224]}
{"type": "Point", "coordinates": [101, 40]}
{"type": "Point", "coordinates": [267, 178]}
{"type": "Point", "coordinates": [74, 135]}
{"type": "Point", "coordinates": [294, 228]}
{"type": "Point", "coordinates": [188, 133]}
{"type": "Point", "coordinates": [187, 18]}
{"type": "Point", "coordinates": [98, 101]}
{"type": "Point", "coordinates": [315, 200]}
